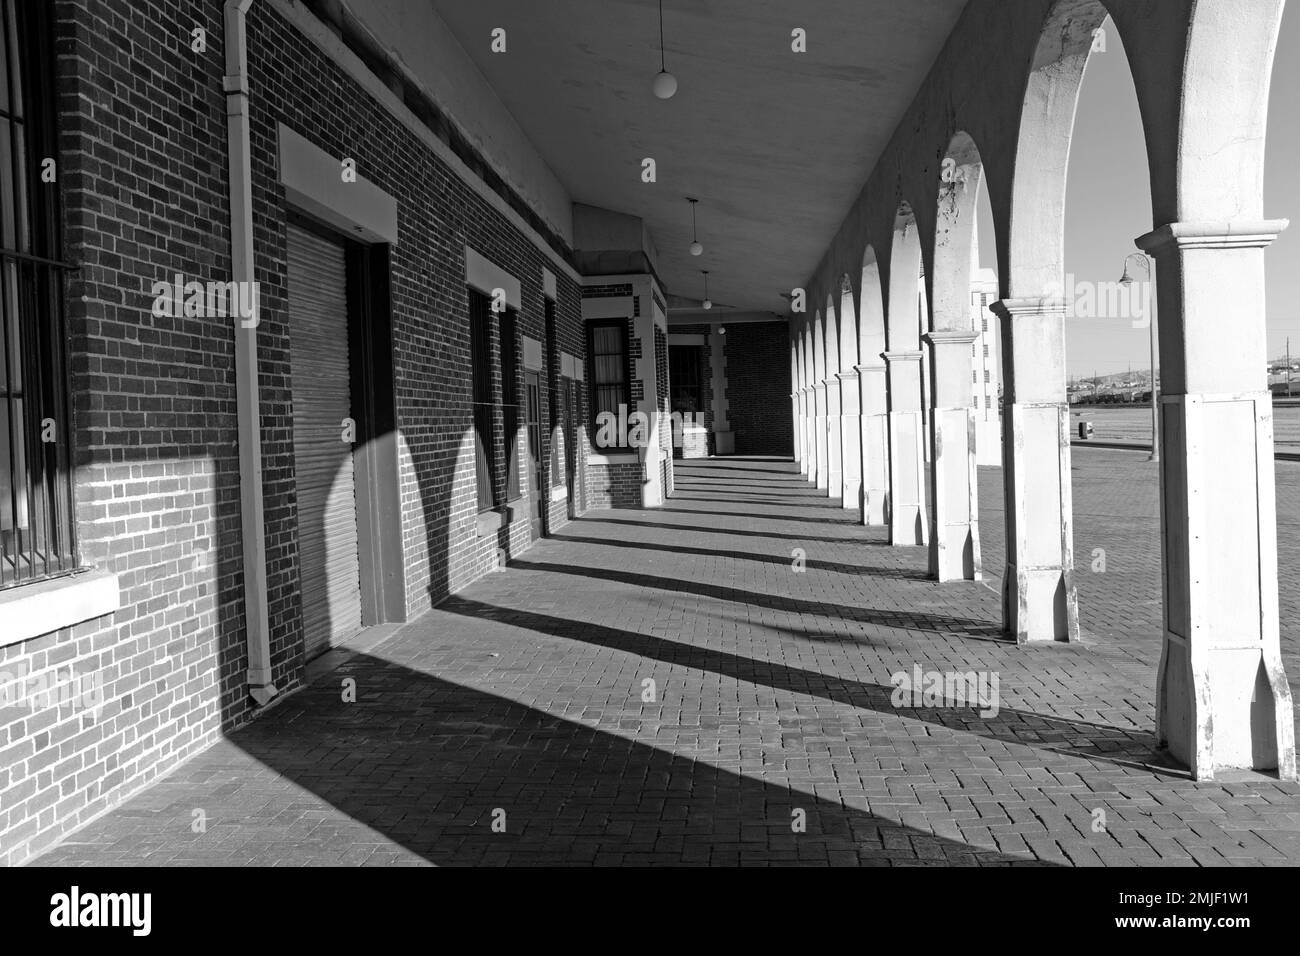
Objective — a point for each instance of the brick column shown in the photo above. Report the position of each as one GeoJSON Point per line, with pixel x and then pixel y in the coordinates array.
{"type": "Point", "coordinates": [1222, 697]}
{"type": "Point", "coordinates": [1038, 596]}
{"type": "Point", "coordinates": [954, 523]}
{"type": "Point", "coordinates": [907, 520]}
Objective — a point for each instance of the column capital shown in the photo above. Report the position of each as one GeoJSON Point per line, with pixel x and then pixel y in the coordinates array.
{"type": "Point", "coordinates": [819, 386]}
{"type": "Point", "coordinates": [1214, 234]}
{"type": "Point", "coordinates": [1014, 308]}
{"type": "Point", "coordinates": [847, 376]}
{"type": "Point", "coordinates": [902, 356]}
{"type": "Point", "coordinates": [868, 369]}
{"type": "Point", "coordinates": [950, 337]}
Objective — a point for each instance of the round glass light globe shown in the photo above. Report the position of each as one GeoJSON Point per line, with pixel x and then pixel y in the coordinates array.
{"type": "Point", "coordinates": [665, 85]}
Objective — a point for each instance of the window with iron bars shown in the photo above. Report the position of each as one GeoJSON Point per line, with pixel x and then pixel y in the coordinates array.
{"type": "Point", "coordinates": [36, 527]}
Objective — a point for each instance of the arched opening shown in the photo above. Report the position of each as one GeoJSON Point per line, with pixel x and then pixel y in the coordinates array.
{"type": "Point", "coordinates": [822, 478]}
{"type": "Point", "coordinates": [873, 394]}
{"type": "Point", "coordinates": [1039, 602]}
{"type": "Point", "coordinates": [956, 388]}
{"type": "Point", "coordinates": [850, 400]}
{"type": "Point", "coordinates": [908, 523]}
{"type": "Point", "coordinates": [834, 414]}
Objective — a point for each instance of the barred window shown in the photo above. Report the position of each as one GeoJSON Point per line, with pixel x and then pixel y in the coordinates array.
{"type": "Point", "coordinates": [36, 530]}
{"type": "Point", "coordinates": [480, 348]}
{"type": "Point", "coordinates": [609, 381]}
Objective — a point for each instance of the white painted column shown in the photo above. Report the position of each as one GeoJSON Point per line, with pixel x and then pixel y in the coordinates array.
{"type": "Point", "coordinates": [834, 438]}
{"type": "Point", "coordinates": [808, 467]}
{"type": "Point", "coordinates": [809, 471]}
{"type": "Point", "coordinates": [797, 445]}
{"type": "Point", "coordinates": [954, 526]}
{"type": "Point", "coordinates": [1222, 697]}
{"type": "Point", "coordinates": [874, 426]}
{"type": "Point", "coordinates": [1038, 596]}
{"type": "Point", "coordinates": [796, 403]}
{"type": "Point", "coordinates": [819, 397]}
{"type": "Point", "coordinates": [907, 518]}
{"type": "Point", "coordinates": [850, 441]}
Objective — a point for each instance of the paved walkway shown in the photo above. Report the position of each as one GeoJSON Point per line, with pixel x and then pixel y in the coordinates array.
{"type": "Point", "coordinates": [665, 687]}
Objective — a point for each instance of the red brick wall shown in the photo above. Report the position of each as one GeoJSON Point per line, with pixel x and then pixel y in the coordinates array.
{"type": "Point", "coordinates": [143, 174]}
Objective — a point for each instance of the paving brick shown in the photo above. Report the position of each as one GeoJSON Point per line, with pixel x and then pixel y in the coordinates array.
{"type": "Point", "coordinates": [524, 693]}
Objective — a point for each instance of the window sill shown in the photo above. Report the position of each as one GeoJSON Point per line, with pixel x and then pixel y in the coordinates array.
{"type": "Point", "coordinates": [613, 458]}
{"type": "Point", "coordinates": [489, 523]}
{"type": "Point", "coordinates": [31, 610]}
{"type": "Point", "coordinates": [559, 493]}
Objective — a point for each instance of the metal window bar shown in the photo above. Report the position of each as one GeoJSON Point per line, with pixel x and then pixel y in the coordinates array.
{"type": "Point", "coordinates": [37, 534]}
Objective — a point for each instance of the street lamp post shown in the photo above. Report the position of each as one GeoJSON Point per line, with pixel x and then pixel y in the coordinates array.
{"type": "Point", "coordinates": [1127, 279]}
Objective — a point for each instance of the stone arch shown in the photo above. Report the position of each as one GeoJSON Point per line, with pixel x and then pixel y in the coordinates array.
{"type": "Point", "coordinates": [848, 326]}
{"type": "Point", "coordinates": [819, 348]}
{"type": "Point", "coordinates": [901, 328]}
{"type": "Point", "coordinates": [1035, 266]}
{"type": "Point", "coordinates": [949, 276]}
{"type": "Point", "coordinates": [832, 339]}
{"type": "Point", "coordinates": [871, 311]}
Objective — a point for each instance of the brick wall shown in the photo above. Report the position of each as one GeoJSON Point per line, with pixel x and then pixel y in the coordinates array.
{"type": "Point", "coordinates": [758, 387]}
{"type": "Point", "coordinates": [143, 172]}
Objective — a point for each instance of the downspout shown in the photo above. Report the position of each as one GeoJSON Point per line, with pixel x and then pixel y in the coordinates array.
{"type": "Point", "coordinates": [252, 517]}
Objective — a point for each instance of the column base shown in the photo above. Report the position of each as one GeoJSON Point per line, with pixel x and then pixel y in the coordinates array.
{"type": "Point", "coordinates": [1039, 604]}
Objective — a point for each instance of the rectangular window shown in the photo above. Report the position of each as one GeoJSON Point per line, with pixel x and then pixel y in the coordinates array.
{"type": "Point", "coordinates": [510, 399]}
{"type": "Point", "coordinates": [608, 377]}
{"type": "Point", "coordinates": [36, 530]}
{"type": "Point", "coordinates": [480, 329]}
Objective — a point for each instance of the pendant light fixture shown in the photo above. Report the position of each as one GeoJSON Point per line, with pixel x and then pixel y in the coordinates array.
{"type": "Point", "coordinates": [696, 248]}
{"type": "Point", "coordinates": [708, 303]}
{"type": "Point", "coordinates": [665, 84]}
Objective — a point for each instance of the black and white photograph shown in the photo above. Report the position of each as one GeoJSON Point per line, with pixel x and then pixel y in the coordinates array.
{"type": "Point", "coordinates": [516, 434]}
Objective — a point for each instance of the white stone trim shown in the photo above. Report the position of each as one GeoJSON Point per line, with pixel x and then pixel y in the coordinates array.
{"type": "Point", "coordinates": [613, 458]}
{"type": "Point", "coordinates": [532, 355]}
{"type": "Point", "coordinates": [608, 307]}
{"type": "Point", "coordinates": [559, 493]}
{"type": "Point", "coordinates": [485, 275]}
{"type": "Point", "coordinates": [31, 610]}
{"type": "Point", "coordinates": [313, 182]}
{"type": "Point", "coordinates": [548, 284]}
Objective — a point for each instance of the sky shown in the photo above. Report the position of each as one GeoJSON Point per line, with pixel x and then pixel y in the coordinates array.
{"type": "Point", "coordinates": [1108, 203]}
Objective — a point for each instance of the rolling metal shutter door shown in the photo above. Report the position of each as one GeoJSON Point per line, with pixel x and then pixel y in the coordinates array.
{"type": "Point", "coordinates": [327, 513]}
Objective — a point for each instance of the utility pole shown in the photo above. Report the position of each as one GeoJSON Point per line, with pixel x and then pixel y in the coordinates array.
{"type": "Point", "coordinates": [1288, 366]}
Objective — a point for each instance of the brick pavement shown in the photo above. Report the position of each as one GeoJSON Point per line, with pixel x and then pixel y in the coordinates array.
{"type": "Point", "coordinates": [769, 737]}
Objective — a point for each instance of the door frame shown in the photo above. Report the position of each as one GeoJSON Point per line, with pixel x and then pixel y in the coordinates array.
{"type": "Point", "coordinates": [381, 562]}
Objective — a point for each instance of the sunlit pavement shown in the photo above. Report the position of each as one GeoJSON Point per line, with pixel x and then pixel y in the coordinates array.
{"type": "Point", "coordinates": [713, 683]}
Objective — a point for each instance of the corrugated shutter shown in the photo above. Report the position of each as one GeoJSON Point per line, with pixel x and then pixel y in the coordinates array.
{"type": "Point", "coordinates": [327, 513]}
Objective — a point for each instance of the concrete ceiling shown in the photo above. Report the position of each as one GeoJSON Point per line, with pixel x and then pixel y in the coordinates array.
{"type": "Point", "coordinates": [775, 145]}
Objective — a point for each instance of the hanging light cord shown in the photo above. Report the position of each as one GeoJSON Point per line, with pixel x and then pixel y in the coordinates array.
{"type": "Point", "coordinates": [694, 232]}
{"type": "Point", "coordinates": [662, 66]}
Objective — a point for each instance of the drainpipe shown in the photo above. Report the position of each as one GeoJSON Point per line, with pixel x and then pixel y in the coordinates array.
{"type": "Point", "coordinates": [252, 518]}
